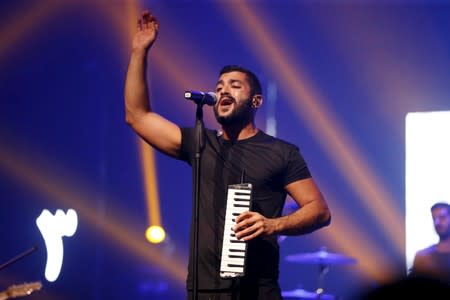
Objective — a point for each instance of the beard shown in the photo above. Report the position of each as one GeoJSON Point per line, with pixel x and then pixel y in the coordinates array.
{"type": "Point", "coordinates": [443, 232]}
{"type": "Point", "coordinates": [240, 115]}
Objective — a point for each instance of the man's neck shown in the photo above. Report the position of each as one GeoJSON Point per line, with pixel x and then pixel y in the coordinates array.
{"type": "Point", "coordinates": [444, 245]}
{"type": "Point", "coordinates": [241, 133]}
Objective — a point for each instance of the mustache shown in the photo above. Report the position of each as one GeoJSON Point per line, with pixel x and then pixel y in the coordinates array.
{"type": "Point", "coordinates": [227, 97]}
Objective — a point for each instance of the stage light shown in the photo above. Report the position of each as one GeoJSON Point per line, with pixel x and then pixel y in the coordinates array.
{"type": "Point", "coordinates": [155, 234]}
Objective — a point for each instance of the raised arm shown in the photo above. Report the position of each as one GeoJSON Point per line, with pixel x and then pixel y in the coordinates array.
{"type": "Point", "coordinates": [152, 127]}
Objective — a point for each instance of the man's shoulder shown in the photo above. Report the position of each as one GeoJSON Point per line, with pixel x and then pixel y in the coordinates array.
{"type": "Point", "coordinates": [426, 251]}
{"type": "Point", "coordinates": [276, 140]}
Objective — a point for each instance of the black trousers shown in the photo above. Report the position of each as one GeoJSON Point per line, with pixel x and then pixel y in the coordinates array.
{"type": "Point", "coordinates": [254, 292]}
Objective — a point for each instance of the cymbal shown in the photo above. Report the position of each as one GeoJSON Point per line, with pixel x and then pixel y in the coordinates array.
{"type": "Point", "coordinates": [303, 294]}
{"type": "Point", "coordinates": [322, 257]}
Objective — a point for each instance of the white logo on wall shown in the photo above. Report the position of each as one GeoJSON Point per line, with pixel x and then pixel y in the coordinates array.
{"type": "Point", "coordinates": [53, 228]}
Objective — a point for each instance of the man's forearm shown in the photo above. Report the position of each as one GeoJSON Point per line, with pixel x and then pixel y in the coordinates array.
{"type": "Point", "coordinates": [136, 90]}
{"type": "Point", "coordinates": [305, 220]}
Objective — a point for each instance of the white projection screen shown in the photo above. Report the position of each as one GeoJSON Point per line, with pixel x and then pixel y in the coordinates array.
{"type": "Point", "coordinates": [427, 175]}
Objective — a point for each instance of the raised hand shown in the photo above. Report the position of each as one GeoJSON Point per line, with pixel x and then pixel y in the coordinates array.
{"type": "Point", "coordinates": [147, 31]}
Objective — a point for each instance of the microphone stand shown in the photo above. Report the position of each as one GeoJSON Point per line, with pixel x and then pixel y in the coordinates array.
{"type": "Point", "coordinates": [199, 145]}
{"type": "Point", "coordinates": [323, 271]}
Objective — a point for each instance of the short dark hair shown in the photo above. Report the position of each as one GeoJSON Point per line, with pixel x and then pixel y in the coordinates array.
{"type": "Point", "coordinates": [252, 78]}
{"type": "Point", "coordinates": [441, 205]}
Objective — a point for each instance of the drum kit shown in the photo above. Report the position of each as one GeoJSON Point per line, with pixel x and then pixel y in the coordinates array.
{"type": "Point", "coordinates": [324, 260]}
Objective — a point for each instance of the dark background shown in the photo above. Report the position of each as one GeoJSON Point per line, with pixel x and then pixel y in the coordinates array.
{"type": "Point", "coordinates": [339, 78]}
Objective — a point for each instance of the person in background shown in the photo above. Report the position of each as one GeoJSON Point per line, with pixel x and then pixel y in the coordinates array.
{"type": "Point", "coordinates": [434, 261]}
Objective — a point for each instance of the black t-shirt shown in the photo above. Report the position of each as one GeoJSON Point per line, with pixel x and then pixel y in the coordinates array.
{"type": "Point", "coordinates": [269, 164]}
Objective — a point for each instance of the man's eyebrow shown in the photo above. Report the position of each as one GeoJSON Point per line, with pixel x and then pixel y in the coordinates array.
{"type": "Point", "coordinates": [231, 81]}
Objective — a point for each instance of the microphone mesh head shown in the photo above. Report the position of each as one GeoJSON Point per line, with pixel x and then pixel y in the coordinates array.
{"type": "Point", "coordinates": [213, 95]}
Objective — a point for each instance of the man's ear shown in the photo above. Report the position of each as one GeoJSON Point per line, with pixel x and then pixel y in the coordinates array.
{"type": "Point", "coordinates": [257, 101]}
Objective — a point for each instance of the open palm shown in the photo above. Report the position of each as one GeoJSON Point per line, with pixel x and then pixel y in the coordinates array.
{"type": "Point", "coordinates": [147, 31]}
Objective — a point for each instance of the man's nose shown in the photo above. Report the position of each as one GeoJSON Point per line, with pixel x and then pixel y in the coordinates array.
{"type": "Point", "coordinates": [225, 91]}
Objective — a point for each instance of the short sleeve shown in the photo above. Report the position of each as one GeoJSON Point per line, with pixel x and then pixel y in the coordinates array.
{"type": "Point", "coordinates": [296, 167]}
{"type": "Point", "coordinates": [187, 145]}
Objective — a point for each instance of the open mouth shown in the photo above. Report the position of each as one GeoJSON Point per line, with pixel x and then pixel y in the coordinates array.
{"type": "Point", "coordinates": [226, 101]}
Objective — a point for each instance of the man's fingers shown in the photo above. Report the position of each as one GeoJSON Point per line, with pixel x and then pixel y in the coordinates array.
{"type": "Point", "coordinates": [249, 233]}
{"type": "Point", "coordinates": [145, 14]}
{"type": "Point", "coordinates": [243, 222]}
{"type": "Point", "coordinates": [243, 215]}
{"type": "Point", "coordinates": [148, 19]}
{"type": "Point", "coordinates": [246, 227]}
{"type": "Point", "coordinates": [252, 236]}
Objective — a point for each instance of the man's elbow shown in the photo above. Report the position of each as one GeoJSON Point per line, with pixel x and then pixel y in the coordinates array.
{"type": "Point", "coordinates": [129, 120]}
{"type": "Point", "coordinates": [324, 217]}
{"type": "Point", "coordinates": [132, 118]}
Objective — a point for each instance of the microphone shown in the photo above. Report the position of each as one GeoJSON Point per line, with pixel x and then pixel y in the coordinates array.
{"type": "Point", "coordinates": [201, 97]}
